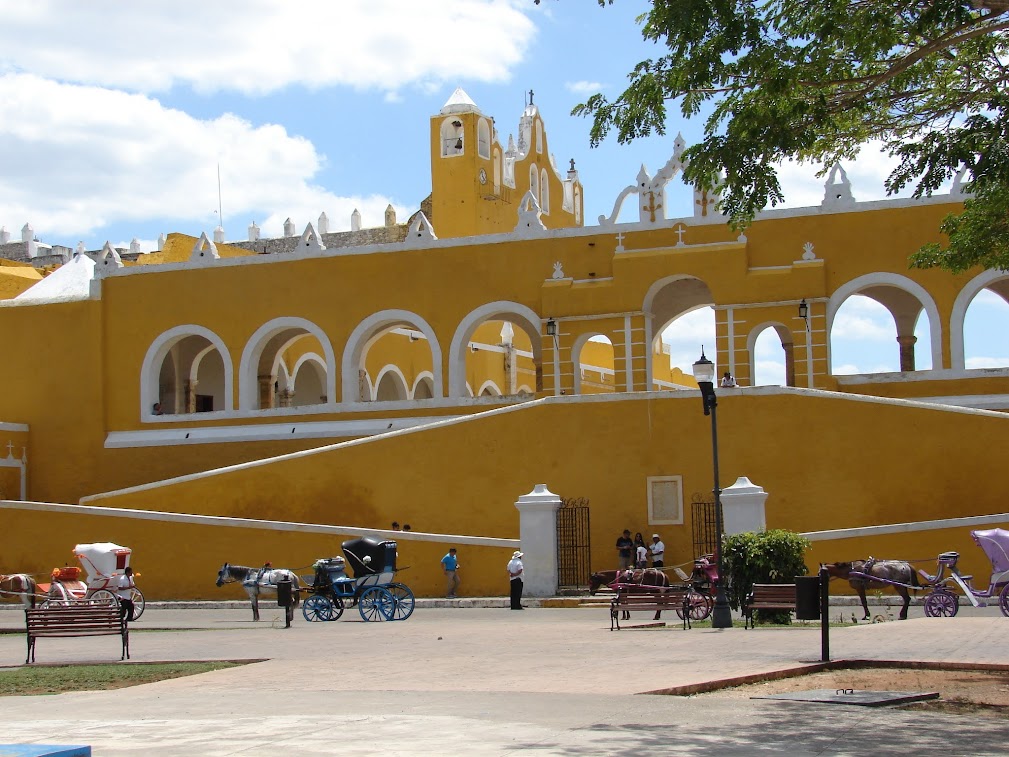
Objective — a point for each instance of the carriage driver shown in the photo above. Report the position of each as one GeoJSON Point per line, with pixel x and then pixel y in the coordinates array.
{"type": "Point", "coordinates": [125, 588]}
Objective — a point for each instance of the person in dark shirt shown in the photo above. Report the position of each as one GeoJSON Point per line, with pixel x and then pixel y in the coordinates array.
{"type": "Point", "coordinates": [625, 551]}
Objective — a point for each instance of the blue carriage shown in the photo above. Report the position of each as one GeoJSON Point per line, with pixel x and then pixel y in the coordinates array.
{"type": "Point", "coordinates": [372, 587]}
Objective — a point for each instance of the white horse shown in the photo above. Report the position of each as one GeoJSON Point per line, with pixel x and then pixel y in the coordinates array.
{"type": "Point", "coordinates": [19, 585]}
{"type": "Point", "coordinates": [256, 580]}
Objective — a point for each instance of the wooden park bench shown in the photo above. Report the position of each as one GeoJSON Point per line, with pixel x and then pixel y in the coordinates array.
{"type": "Point", "coordinates": [650, 599]}
{"type": "Point", "coordinates": [83, 619]}
{"type": "Point", "coordinates": [768, 597]}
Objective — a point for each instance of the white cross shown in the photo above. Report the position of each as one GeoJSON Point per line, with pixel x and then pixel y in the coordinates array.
{"type": "Point", "coordinates": [10, 449]}
{"type": "Point", "coordinates": [680, 230]}
{"type": "Point", "coordinates": [620, 241]}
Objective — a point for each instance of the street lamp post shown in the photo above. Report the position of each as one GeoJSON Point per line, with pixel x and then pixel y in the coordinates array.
{"type": "Point", "coordinates": [704, 373]}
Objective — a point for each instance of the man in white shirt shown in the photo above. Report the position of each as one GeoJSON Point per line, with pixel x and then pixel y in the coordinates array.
{"type": "Point", "coordinates": [515, 570]}
{"type": "Point", "coordinates": [125, 588]}
{"type": "Point", "coordinates": [658, 552]}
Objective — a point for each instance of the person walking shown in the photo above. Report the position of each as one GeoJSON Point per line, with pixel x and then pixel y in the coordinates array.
{"type": "Point", "coordinates": [515, 571]}
{"type": "Point", "coordinates": [125, 587]}
{"type": "Point", "coordinates": [625, 551]}
{"type": "Point", "coordinates": [658, 552]}
{"type": "Point", "coordinates": [450, 563]}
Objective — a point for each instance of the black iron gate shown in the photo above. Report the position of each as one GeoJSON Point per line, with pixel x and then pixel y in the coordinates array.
{"type": "Point", "coordinates": [573, 544]}
{"type": "Point", "coordinates": [705, 522]}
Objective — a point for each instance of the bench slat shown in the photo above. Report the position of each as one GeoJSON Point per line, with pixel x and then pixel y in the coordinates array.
{"type": "Point", "coordinates": [74, 621]}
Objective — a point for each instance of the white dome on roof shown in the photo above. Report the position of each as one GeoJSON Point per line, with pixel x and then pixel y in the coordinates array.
{"type": "Point", "coordinates": [459, 102]}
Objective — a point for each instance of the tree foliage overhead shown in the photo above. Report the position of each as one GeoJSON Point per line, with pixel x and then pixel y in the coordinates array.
{"type": "Point", "coordinates": [815, 81]}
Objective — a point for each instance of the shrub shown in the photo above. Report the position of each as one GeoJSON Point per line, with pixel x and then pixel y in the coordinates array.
{"type": "Point", "coordinates": [763, 557]}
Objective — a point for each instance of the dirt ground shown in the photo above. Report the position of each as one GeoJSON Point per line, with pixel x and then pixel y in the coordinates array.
{"type": "Point", "coordinates": [961, 691]}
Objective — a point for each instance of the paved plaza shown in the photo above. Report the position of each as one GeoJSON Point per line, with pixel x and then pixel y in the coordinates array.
{"type": "Point", "coordinates": [488, 681]}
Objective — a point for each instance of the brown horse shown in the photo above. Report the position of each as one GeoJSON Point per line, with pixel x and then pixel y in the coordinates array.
{"type": "Point", "coordinates": [642, 576]}
{"type": "Point", "coordinates": [19, 585]}
{"type": "Point", "coordinates": [896, 571]}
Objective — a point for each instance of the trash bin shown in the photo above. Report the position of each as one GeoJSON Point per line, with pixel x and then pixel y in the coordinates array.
{"type": "Point", "coordinates": [284, 593]}
{"type": "Point", "coordinates": [807, 597]}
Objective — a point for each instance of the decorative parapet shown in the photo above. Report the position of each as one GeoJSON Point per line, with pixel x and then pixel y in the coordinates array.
{"type": "Point", "coordinates": [421, 232]}
{"type": "Point", "coordinates": [204, 251]}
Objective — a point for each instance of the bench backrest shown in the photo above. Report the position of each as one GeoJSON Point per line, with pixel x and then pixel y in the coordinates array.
{"type": "Point", "coordinates": [74, 620]}
{"type": "Point", "coordinates": [773, 592]}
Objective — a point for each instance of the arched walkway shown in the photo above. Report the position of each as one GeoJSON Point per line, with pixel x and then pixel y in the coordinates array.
{"type": "Point", "coordinates": [765, 359]}
{"type": "Point", "coordinates": [520, 315]}
{"type": "Point", "coordinates": [592, 358]}
{"type": "Point", "coordinates": [309, 380]}
{"type": "Point", "coordinates": [369, 330]}
{"type": "Point", "coordinates": [167, 371]}
{"type": "Point", "coordinates": [996, 282]}
{"type": "Point", "coordinates": [905, 300]}
{"type": "Point", "coordinates": [668, 300]}
{"type": "Point", "coordinates": [391, 386]}
{"type": "Point", "coordinates": [258, 371]}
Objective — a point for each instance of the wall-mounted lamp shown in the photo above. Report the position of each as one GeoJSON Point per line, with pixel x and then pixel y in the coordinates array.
{"type": "Point", "coordinates": [551, 327]}
{"type": "Point", "coordinates": [804, 312]}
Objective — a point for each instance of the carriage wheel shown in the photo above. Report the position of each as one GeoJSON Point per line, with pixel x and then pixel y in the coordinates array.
{"type": "Point", "coordinates": [104, 597]}
{"type": "Point", "coordinates": [138, 602]}
{"type": "Point", "coordinates": [317, 608]}
{"type": "Point", "coordinates": [1003, 600]}
{"type": "Point", "coordinates": [700, 605]}
{"type": "Point", "coordinates": [337, 610]}
{"type": "Point", "coordinates": [376, 604]}
{"type": "Point", "coordinates": [941, 604]}
{"type": "Point", "coordinates": [403, 601]}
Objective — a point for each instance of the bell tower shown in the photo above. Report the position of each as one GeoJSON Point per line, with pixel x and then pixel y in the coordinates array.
{"type": "Point", "coordinates": [477, 186]}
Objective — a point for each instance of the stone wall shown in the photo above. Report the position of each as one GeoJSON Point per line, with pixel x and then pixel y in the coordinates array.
{"type": "Point", "coordinates": [335, 240]}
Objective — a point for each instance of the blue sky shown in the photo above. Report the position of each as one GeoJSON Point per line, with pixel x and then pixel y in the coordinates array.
{"type": "Point", "coordinates": [116, 117]}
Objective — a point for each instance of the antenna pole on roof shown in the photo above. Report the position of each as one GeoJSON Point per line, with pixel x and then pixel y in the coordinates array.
{"type": "Point", "coordinates": [220, 207]}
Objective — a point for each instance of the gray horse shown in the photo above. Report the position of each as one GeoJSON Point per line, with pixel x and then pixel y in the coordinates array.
{"type": "Point", "coordinates": [884, 574]}
{"type": "Point", "coordinates": [256, 580]}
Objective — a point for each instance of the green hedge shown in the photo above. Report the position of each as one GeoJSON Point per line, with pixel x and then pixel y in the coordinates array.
{"type": "Point", "coordinates": [764, 557]}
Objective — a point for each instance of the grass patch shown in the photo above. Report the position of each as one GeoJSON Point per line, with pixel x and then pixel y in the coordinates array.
{"type": "Point", "coordinates": [57, 679]}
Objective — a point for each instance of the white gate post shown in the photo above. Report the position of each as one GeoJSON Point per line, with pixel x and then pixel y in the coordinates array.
{"type": "Point", "coordinates": [538, 536]}
{"type": "Point", "coordinates": [743, 507]}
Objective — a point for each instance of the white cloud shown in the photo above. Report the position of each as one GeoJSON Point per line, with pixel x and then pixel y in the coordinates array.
{"type": "Point", "coordinates": [987, 362]}
{"type": "Point", "coordinates": [583, 87]}
{"type": "Point", "coordinates": [863, 319]}
{"type": "Point", "coordinates": [259, 46]}
{"type": "Point", "coordinates": [866, 173]}
{"type": "Point", "coordinates": [84, 156]}
{"type": "Point", "coordinates": [769, 373]}
{"type": "Point", "coordinates": [687, 334]}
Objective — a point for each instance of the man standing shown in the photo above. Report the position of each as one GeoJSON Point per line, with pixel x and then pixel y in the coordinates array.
{"type": "Point", "coordinates": [658, 552]}
{"type": "Point", "coordinates": [625, 551]}
{"type": "Point", "coordinates": [125, 588]}
{"type": "Point", "coordinates": [450, 563]}
{"type": "Point", "coordinates": [515, 576]}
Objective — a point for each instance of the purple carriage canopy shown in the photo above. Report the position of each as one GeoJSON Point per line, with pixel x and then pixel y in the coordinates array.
{"type": "Point", "coordinates": [995, 543]}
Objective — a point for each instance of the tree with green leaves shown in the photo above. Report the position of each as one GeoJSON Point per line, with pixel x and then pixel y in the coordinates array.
{"type": "Point", "coordinates": [789, 79]}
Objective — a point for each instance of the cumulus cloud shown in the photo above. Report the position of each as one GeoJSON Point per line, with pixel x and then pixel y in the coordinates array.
{"type": "Point", "coordinates": [769, 373]}
{"type": "Point", "coordinates": [583, 87]}
{"type": "Point", "coordinates": [687, 334]}
{"type": "Point", "coordinates": [83, 156]}
{"type": "Point", "coordinates": [259, 46]}
{"type": "Point", "coordinates": [863, 319]}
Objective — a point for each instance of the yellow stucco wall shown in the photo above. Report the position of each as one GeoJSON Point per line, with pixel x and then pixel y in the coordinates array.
{"type": "Point", "coordinates": [16, 277]}
{"type": "Point", "coordinates": [605, 448]}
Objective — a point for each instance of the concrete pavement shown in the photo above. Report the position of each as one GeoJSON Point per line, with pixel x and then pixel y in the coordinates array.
{"type": "Point", "coordinates": [490, 681]}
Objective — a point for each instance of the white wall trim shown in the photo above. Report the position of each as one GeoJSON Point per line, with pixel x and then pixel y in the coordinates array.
{"type": "Point", "coordinates": [959, 313]}
{"type": "Point", "coordinates": [254, 523]}
{"type": "Point", "coordinates": [18, 427]}
{"type": "Point", "coordinates": [999, 519]}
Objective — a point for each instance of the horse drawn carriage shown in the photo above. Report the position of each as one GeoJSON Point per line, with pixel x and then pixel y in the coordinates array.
{"type": "Point", "coordinates": [104, 563]}
{"type": "Point", "coordinates": [372, 587]}
{"type": "Point", "coordinates": [942, 600]}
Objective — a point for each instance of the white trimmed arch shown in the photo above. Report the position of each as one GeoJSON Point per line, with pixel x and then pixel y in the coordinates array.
{"type": "Point", "coordinates": [959, 313]}
{"type": "Point", "coordinates": [372, 327]}
{"type": "Point", "coordinates": [895, 280]}
{"type": "Point", "coordinates": [784, 335]}
{"type": "Point", "coordinates": [424, 378]}
{"type": "Point", "coordinates": [248, 371]}
{"type": "Point", "coordinates": [393, 373]}
{"type": "Point", "coordinates": [502, 310]}
{"type": "Point", "coordinates": [150, 371]}
{"type": "Point", "coordinates": [494, 390]}
{"type": "Point", "coordinates": [308, 357]}
{"type": "Point", "coordinates": [576, 357]}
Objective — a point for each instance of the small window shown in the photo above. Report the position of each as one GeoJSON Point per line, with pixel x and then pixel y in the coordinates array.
{"type": "Point", "coordinates": [483, 138]}
{"type": "Point", "coordinates": [665, 500]}
{"type": "Point", "coordinates": [539, 136]}
{"type": "Point", "coordinates": [534, 182]}
{"type": "Point", "coordinates": [544, 192]}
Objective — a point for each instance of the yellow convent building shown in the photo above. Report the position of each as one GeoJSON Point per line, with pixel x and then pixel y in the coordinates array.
{"type": "Point", "coordinates": [267, 398]}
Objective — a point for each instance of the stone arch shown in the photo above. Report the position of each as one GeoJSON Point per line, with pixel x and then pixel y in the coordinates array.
{"type": "Point", "coordinates": [391, 385]}
{"type": "Point", "coordinates": [265, 344]}
{"type": "Point", "coordinates": [370, 329]}
{"type": "Point", "coordinates": [423, 387]}
{"type": "Point", "coordinates": [489, 389]}
{"type": "Point", "coordinates": [880, 287]}
{"type": "Point", "coordinates": [787, 344]}
{"type": "Point", "coordinates": [452, 137]}
{"type": "Point", "coordinates": [308, 379]}
{"type": "Point", "coordinates": [963, 300]}
{"type": "Point", "coordinates": [154, 359]}
{"type": "Point", "coordinates": [515, 312]}
{"type": "Point", "coordinates": [666, 300]}
{"type": "Point", "coordinates": [576, 355]}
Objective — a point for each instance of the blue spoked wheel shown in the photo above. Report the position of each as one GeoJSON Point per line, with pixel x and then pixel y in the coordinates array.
{"type": "Point", "coordinates": [376, 604]}
{"type": "Point", "coordinates": [403, 601]}
{"type": "Point", "coordinates": [318, 608]}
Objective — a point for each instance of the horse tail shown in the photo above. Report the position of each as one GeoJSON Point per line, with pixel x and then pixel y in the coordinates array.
{"type": "Point", "coordinates": [914, 577]}
{"type": "Point", "coordinates": [32, 588]}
